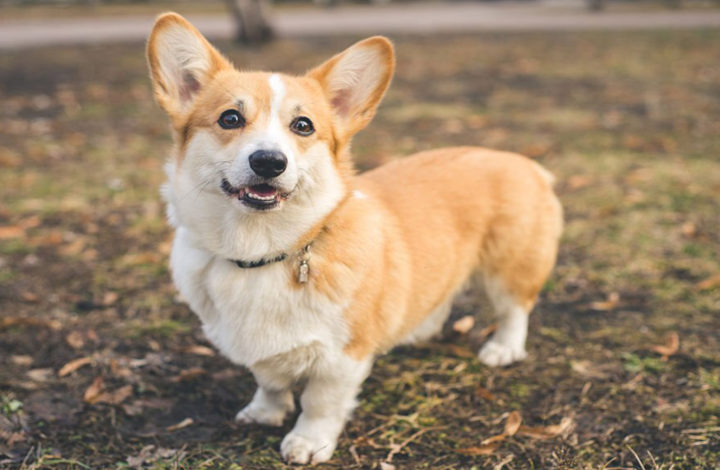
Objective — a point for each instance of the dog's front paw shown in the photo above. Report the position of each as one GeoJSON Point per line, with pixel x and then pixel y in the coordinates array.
{"type": "Point", "coordinates": [301, 449]}
{"type": "Point", "coordinates": [497, 354]}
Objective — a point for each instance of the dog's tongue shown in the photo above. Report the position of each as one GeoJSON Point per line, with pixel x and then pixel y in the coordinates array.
{"type": "Point", "coordinates": [262, 190]}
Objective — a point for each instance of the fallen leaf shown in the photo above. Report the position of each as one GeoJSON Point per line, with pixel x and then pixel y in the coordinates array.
{"type": "Point", "coordinates": [94, 391]}
{"type": "Point", "coordinates": [54, 237]}
{"type": "Point", "coordinates": [612, 301]}
{"type": "Point", "coordinates": [165, 247]}
{"type": "Point", "coordinates": [110, 298]}
{"type": "Point", "coordinates": [588, 369]}
{"type": "Point", "coordinates": [75, 340]}
{"type": "Point", "coordinates": [670, 348]}
{"type": "Point", "coordinates": [226, 374]}
{"type": "Point", "coordinates": [150, 454]}
{"type": "Point", "coordinates": [73, 248]}
{"type": "Point", "coordinates": [688, 229]}
{"type": "Point", "coordinates": [16, 437]}
{"type": "Point", "coordinates": [639, 175]}
{"type": "Point", "coordinates": [28, 296]}
{"type": "Point", "coordinates": [73, 365]}
{"type": "Point", "coordinates": [493, 439]}
{"type": "Point", "coordinates": [487, 331]}
{"type": "Point", "coordinates": [513, 423]}
{"type": "Point", "coordinates": [386, 466]}
{"type": "Point", "coordinates": [30, 222]}
{"type": "Point", "coordinates": [476, 121]}
{"type": "Point", "coordinates": [115, 397]}
{"type": "Point", "coordinates": [189, 374]}
{"type": "Point", "coordinates": [709, 283]}
{"type": "Point", "coordinates": [21, 360]}
{"type": "Point", "coordinates": [89, 255]}
{"type": "Point", "coordinates": [464, 324]}
{"type": "Point", "coordinates": [535, 150]}
{"type": "Point", "coordinates": [156, 403]}
{"type": "Point", "coordinates": [9, 158]}
{"type": "Point", "coordinates": [199, 350]}
{"type": "Point", "coordinates": [635, 196]}
{"type": "Point", "coordinates": [454, 126]}
{"type": "Point", "coordinates": [11, 231]}
{"type": "Point", "coordinates": [578, 181]}
{"type": "Point", "coordinates": [41, 375]}
{"type": "Point", "coordinates": [8, 322]}
{"type": "Point", "coordinates": [634, 142]}
{"type": "Point", "coordinates": [133, 409]}
{"type": "Point", "coordinates": [139, 259]}
{"type": "Point", "coordinates": [459, 351]}
{"type": "Point", "coordinates": [503, 462]}
{"type": "Point", "coordinates": [546, 432]}
{"type": "Point", "coordinates": [486, 449]}
{"type": "Point", "coordinates": [633, 383]}
{"type": "Point", "coordinates": [484, 393]}
{"type": "Point", "coordinates": [182, 424]}
{"type": "Point", "coordinates": [119, 370]}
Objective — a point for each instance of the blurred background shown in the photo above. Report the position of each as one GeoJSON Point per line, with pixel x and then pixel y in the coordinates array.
{"type": "Point", "coordinates": [102, 366]}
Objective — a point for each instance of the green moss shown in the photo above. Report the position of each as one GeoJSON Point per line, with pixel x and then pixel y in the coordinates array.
{"type": "Point", "coordinates": [165, 328]}
{"type": "Point", "coordinates": [634, 363]}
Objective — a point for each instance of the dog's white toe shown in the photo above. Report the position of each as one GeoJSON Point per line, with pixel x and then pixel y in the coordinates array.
{"type": "Point", "coordinates": [301, 449]}
{"type": "Point", "coordinates": [496, 354]}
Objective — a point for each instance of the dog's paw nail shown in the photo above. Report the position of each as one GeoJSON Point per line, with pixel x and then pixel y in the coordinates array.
{"type": "Point", "coordinates": [496, 354]}
{"type": "Point", "coordinates": [301, 450]}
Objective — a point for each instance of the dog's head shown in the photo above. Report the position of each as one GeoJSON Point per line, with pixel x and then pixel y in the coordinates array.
{"type": "Point", "coordinates": [258, 148]}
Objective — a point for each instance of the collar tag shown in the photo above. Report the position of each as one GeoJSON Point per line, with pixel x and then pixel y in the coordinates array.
{"type": "Point", "coordinates": [304, 267]}
{"type": "Point", "coordinates": [303, 272]}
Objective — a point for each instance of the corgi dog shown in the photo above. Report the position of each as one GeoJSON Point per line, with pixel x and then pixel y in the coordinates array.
{"type": "Point", "coordinates": [302, 270]}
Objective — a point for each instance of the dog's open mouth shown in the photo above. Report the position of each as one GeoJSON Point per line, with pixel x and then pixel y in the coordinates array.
{"type": "Point", "coordinates": [258, 196]}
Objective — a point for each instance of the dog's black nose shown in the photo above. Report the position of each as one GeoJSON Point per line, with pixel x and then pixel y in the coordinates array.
{"type": "Point", "coordinates": [268, 163]}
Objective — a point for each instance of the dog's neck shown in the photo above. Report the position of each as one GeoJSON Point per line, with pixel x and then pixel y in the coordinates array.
{"type": "Point", "coordinates": [252, 237]}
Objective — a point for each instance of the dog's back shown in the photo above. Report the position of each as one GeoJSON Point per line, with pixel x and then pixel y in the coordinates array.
{"type": "Point", "coordinates": [467, 209]}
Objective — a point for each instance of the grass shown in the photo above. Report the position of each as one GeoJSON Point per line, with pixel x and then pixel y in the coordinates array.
{"type": "Point", "coordinates": [628, 122]}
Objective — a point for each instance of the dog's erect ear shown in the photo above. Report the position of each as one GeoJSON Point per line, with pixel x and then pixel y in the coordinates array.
{"type": "Point", "coordinates": [181, 62]}
{"type": "Point", "coordinates": [355, 81]}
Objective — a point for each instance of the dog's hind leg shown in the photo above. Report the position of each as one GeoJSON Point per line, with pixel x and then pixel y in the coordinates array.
{"type": "Point", "coordinates": [268, 407]}
{"type": "Point", "coordinates": [272, 402]}
{"type": "Point", "coordinates": [507, 344]}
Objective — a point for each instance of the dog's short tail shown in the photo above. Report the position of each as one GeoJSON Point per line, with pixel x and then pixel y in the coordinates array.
{"type": "Point", "coordinates": [546, 175]}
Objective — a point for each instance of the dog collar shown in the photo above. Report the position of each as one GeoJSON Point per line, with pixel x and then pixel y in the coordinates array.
{"type": "Point", "coordinates": [261, 262]}
{"type": "Point", "coordinates": [303, 266]}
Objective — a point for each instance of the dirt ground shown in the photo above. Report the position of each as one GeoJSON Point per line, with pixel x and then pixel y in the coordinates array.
{"type": "Point", "coordinates": [102, 367]}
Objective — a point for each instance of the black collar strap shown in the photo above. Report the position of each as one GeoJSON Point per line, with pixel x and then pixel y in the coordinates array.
{"type": "Point", "coordinates": [303, 270]}
{"type": "Point", "coordinates": [260, 262]}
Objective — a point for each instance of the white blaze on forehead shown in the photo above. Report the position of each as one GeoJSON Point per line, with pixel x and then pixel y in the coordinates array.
{"type": "Point", "coordinates": [278, 92]}
{"type": "Point", "coordinates": [274, 132]}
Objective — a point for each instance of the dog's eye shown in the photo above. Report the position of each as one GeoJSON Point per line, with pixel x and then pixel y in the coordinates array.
{"type": "Point", "coordinates": [302, 126]}
{"type": "Point", "coordinates": [231, 119]}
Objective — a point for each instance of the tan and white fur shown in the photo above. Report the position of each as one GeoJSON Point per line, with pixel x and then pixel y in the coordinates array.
{"type": "Point", "coordinates": [388, 249]}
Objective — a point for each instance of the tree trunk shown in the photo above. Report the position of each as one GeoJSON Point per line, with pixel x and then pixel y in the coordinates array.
{"type": "Point", "coordinates": [251, 20]}
{"type": "Point", "coordinates": [596, 5]}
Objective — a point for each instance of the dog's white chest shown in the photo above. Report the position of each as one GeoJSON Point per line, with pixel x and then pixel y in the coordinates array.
{"type": "Point", "coordinates": [253, 314]}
